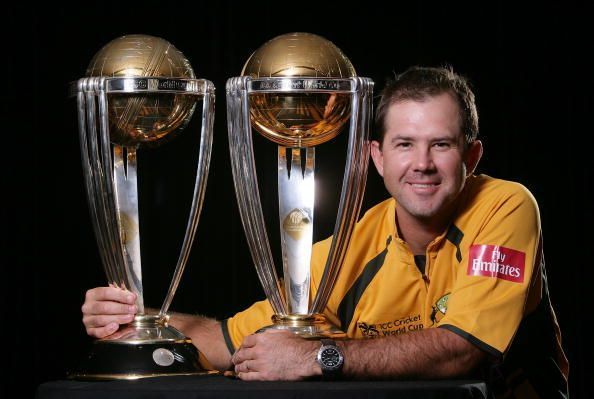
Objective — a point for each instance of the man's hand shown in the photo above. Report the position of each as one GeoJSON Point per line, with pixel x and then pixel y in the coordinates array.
{"type": "Point", "coordinates": [105, 308]}
{"type": "Point", "coordinates": [276, 355]}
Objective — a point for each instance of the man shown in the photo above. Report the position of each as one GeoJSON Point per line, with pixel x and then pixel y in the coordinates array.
{"type": "Point", "coordinates": [448, 274]}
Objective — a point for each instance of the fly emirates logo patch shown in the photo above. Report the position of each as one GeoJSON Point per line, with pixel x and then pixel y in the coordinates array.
{"type": "Point", "coordinates": [495, 261]}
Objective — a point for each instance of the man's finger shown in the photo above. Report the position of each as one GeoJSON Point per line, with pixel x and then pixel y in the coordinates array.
{"type": "Point", "coordinates": [250, 341]}
{"type": "Point", "coordinates": [107, 307]}
{"type": "Point", "coordinates": [110, 294]}
{"type": "Point", "coordinates": [242, 355]}
{"type": "Point", "coordinates": [104, 320]}
{"type": "Point", "coordinates": [253, 376]}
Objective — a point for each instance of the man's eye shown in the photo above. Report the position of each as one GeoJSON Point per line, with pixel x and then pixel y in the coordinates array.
{"type": "Point", "coordinates": [403, 145]}
{"type": "Point", "coordinates": [442, 144]}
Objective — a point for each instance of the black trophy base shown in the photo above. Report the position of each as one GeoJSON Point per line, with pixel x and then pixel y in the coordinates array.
{"type": "Point", "coordinates": [114, 361]}
{"type": "Point", "coordinates": [145, 348]}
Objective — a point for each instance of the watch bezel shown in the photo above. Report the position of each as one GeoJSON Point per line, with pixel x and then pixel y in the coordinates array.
{"type": "Point", "coordinates": [326, 367]}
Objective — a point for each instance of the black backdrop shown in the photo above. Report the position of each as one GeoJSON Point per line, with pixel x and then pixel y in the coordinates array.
{"type": "Point", "coordinates": [533, 84]}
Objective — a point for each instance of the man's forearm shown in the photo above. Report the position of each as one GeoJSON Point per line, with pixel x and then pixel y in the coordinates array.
{"type": "Point", "coordinates": [207, 336]}
{"type": "Point", "coordinates": [431, 353]}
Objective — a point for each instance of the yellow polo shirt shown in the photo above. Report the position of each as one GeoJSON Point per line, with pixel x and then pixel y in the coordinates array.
{"type": "Point", "coordinates": [482, 277]}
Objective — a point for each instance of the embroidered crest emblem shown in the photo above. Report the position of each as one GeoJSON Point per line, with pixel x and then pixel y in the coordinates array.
{"type": "Point", "coordinates": [439, 309]}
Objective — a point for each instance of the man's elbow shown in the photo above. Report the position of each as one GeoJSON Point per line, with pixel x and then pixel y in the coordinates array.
{"type": "Point", "coordinates": [465, 360]}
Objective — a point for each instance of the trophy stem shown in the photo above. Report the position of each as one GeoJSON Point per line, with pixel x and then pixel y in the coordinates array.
{"type": "Point", "coordinates": [296, 197]}
{"type": "Point", "coordinates": [106, 185]}
{"type": "Point", "coordinates": [296, 212]}
{"type": "Point", "coordinates": [353, 187]}
{"type": "Point", "coordinates": [96, 154]}
{"type": "Point", "coordinates": [126, 190]}
{"type": "Point", "coordinates": [90, 177]}
{"type": "Point", "coordinates": [246, 189]}
{"type": "Point", "coordinates": [208, 113]}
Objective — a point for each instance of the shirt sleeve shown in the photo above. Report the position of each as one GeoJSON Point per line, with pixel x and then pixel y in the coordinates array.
{"type": "Point", "coordinates": [494, 276]}
{"type": "Point", "coordinates": [247, 322]}
{"type": "Point", "coordinates": [259, 315]}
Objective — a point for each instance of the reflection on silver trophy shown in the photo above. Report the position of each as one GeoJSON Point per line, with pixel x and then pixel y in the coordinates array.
{"type": "Point", "coordinates": [139, 92]}
{"type": "Point", "coordinates": [298, 90]}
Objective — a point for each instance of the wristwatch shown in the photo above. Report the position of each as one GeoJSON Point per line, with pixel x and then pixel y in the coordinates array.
{"type": "Point", "coordinates": [330, 359]}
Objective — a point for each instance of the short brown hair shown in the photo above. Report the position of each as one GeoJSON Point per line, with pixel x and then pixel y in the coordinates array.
{"type": "Point", "coordinates": [418, 83]}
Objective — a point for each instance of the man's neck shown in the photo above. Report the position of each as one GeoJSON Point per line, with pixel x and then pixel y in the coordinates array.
{"type": "Point", "coordinates": [418, 233]}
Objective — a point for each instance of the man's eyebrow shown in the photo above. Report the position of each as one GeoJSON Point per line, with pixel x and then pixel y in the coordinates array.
{"type": "Point", "coordinates": [400, 137]}
{"type": "Point", "coordinates": [445, 137]}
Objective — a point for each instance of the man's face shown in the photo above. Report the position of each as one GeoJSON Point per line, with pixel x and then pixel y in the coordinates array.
{"type": "Point", "coordinates": [422, 157]}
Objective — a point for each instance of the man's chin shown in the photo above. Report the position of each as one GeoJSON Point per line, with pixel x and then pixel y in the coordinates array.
{"type": "Point", "coordinates": [421, 213]}
{"type": "Point", "coordinates": [425, 216]}
{"type": "Point", "coordinates": [422, 210]}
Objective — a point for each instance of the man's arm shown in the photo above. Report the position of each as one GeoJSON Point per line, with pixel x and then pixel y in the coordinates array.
{"type": "Point", "coordinates": [106, 308]}
{"type": "Point", "coordinates": [431, 353]}
{"type": "Point", "coordinates": [207, 335]}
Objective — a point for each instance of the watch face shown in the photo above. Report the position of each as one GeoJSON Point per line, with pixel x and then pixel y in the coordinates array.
{"type": "Point", "coordinates": [331, 358]}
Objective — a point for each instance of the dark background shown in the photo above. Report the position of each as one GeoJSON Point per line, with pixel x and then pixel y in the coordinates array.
{"type": "Point", "coordinates": [533, 84]}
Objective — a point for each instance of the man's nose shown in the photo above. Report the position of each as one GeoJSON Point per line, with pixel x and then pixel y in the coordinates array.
{"type": "Point", "coordinates": [423, 160]}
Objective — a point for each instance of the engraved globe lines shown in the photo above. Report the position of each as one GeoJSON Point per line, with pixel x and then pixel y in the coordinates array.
{"type": "Point", "coordinates": [138, 119]}
{"type": "Point", "coordinates": [299, 119]}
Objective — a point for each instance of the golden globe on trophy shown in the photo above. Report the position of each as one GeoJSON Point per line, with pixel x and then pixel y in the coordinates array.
{"type": "Point", "coordinates": [298, 90]}
{"type": "Point", "coordinates": [139, 91]}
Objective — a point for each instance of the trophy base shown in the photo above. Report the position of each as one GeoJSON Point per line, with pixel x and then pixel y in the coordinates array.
{"type": "Point", "coordinates": [147, 347]}
{"type": "Point", "coordinates": [306, 326]}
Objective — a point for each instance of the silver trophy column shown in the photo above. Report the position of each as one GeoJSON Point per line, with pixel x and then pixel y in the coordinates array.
{"type": "Point", "coordinates": [294, 309]}
{"type": "Point", "coordinates": [118, 115]}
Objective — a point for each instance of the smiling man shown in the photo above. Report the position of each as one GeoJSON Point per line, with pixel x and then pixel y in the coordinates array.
{"type": "Point", "coordinates": [445, 279]}
{"type": "Point", "coordinates": [425, 160]}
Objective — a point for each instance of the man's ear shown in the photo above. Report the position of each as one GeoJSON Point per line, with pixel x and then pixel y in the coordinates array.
{"type": "Point", "coordinates": [473, 156]}
{"type": "Point", "coordinates": [378, 157]}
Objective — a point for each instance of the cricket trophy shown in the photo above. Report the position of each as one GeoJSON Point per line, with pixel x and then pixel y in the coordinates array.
{"type": "Point", "coordinates": [298, 90]}
{"type": "Point", "coordinates": [139, 92]}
